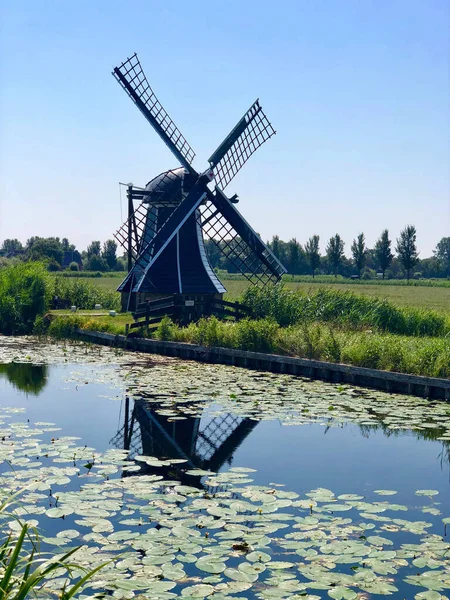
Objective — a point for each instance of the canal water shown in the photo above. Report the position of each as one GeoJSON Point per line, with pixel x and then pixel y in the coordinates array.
{"type": "Point", "coordinates": [386, 477]}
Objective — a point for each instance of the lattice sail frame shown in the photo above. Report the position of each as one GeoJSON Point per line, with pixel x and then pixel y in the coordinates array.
{"type": "Point", "coordinates": [133, 80]}
{"type": "Point", "coordinates": [249, 134]}
{"type": "Point", "coordinates": [213, 433]}
{"type": "Point", "coordinates": [143, 221]}
{"type": "Point", "coordinates": [217, 229]}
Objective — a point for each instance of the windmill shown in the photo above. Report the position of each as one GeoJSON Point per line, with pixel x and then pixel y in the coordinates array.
{"type": "Point", "coordinates": [165, 235]}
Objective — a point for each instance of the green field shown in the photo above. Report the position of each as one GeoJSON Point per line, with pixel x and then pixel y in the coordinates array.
{"type": "Point", "coordinates": [437, 298]}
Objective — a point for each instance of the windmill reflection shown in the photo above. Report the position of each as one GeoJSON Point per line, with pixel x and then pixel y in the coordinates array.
{"type": "Point", "coordinates": [206, 442]}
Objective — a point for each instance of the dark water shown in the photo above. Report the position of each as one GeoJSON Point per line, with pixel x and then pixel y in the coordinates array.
{"type": "Point", "coordinates": [345, 459]}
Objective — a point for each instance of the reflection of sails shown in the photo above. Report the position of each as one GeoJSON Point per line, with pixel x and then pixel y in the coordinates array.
{"type": "Point", "coordinates": [205, 442]}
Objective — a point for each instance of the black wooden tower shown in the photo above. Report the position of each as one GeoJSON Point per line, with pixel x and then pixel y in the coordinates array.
{"type": "Point", "coordinates": [164, 236]}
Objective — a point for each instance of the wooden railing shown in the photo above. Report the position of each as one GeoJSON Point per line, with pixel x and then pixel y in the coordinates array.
{"type": "Point", "coordinates": [150, 313]}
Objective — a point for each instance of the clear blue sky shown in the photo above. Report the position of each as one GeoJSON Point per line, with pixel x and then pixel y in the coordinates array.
{"type": "Point", "coordinates": [357, 90]}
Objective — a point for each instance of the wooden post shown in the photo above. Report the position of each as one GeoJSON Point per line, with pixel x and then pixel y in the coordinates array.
{"type": "Point", "coordinates": [126, 437]}
{"type": "Point", "coordinates": [130, 216]}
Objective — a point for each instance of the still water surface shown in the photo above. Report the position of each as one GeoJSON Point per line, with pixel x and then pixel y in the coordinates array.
{"type": "Point", "coordinates": [348, 459]}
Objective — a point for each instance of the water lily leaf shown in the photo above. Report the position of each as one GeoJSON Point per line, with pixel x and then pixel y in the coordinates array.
{"type": "Point", "coordinates": [257, 556]}
{"type": "Point", "coordinates": [198, 591]}
{"type": "Point", "coordinates": [57, 513]}
{"type": "Point", "coordinates": [341, 593]}
{"type": "Point", "coordinates": [210, 565]}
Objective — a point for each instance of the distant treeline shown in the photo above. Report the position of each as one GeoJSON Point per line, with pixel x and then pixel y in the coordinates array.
{"type": "Point", "coordinates": [385, 259]}
{"type": "Point", "coordinates": [59, 254]}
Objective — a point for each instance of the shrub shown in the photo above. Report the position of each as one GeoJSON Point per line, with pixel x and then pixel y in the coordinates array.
{"type": "Point", "coordinates": [73, 266]}
{"type": "Point", "coordinates": [25, 292]}
{"type": "Point", "coordinates": [164, 329]}
{"type": "Point", "coordinates": [64, 327]}
{"type": "Point", "coordinates": [53, 265]}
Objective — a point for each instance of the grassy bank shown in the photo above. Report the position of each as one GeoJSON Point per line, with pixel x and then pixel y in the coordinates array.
{"type": "Point", "coordinates": [429, 356]}
{"type": "Point", "coordinates": [327, 325]}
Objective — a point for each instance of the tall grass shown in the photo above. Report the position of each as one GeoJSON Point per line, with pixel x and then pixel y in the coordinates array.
{"type": "Point", "coordinates": [65, 327]}
{"type": "Point", "coordinates": [426, 356]}
{"type": "Point", "coordinates": [345, 309]}
{"type": "Point", "coordinates": [84, 295]}
{"type": "Point", "coordinates": [25, 292]}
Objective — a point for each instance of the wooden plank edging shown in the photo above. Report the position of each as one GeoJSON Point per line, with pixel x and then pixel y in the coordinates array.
{"type": "Point", "coordinates": [402, 383]}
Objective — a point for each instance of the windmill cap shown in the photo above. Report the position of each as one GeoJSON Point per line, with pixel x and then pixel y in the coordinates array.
{"type": "Point", "coordinates": [167, 186]}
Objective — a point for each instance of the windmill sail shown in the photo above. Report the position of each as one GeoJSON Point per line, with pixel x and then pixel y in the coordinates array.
{"type": "Point", "coordinates": [133, 80]}
{"type": "Point", "coordinates": [236, 239]}
{"type": "Point", "coordinates": [249, 134]}
{"type": "Point", "coordinates": [136, 222]}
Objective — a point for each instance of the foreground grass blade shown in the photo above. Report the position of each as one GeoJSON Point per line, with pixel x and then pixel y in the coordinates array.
{"type": "Point", "coordinates": [13, 563]}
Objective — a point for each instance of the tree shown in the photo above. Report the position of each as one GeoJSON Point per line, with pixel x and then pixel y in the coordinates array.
{"type": "Point", "coordinates": [96, 263]}
{"type": "Point", "coordinates": [93, 248]}
{"type": "Point", "coordinates": [359, 253]}
{"type": "Point", "coordinates": [12, 246]}
{"type": "Point", "coordinates": [335, 252]}
{"type": "Point", "coordinates": [45, 249]}
{"type": "Point", "coordinates": [407, 250]}
{"type": "Point", "coordinates": [67, 246]}
{"type": "Point", "coordinates": [109, 253]}
{"type": "Point", "coordinates": [312, 253]}
{"type": "Point", "coordinates": [442, 253]}
{"type": "Point", "coordinates": [383, 254]}
{"type": "Point", "coordinates": [276, 246]}
{"type": "Point", "coordinates": [293, 255]}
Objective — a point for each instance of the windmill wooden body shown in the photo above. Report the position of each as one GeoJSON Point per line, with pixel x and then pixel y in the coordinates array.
{"type": "Point", "coordinates": [180, 208]}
